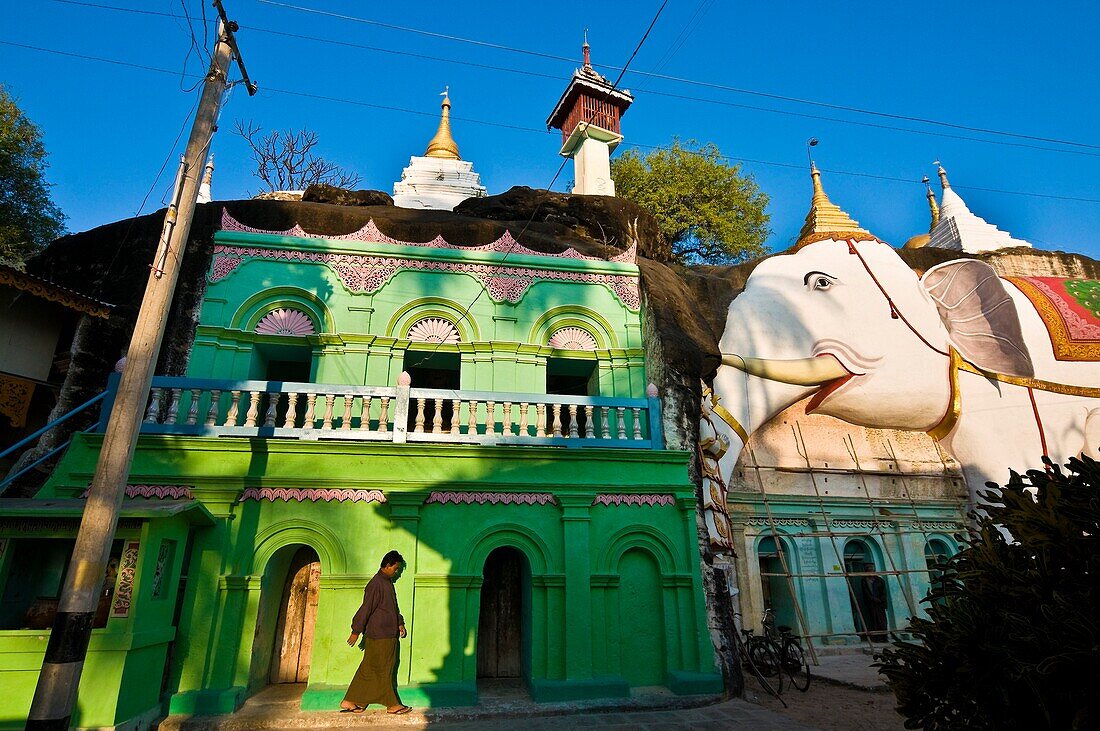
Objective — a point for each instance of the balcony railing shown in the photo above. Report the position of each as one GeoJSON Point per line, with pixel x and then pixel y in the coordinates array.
{"type": "Point", "coordinates": [399, 414]}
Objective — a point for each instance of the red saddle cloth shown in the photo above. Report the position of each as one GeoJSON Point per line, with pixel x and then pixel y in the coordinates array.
{"type": "Point", "coordinates": [1070, 308]}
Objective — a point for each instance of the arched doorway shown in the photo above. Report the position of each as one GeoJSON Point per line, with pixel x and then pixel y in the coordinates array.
{"type": "Point", "coordinates": [641, 619]}
{"type": "Point", "coordinates": [774, 584]}
{"type": "Point", "coordinates": [868, 596]}
{"type": "Point", "coordinates": [293, 646]}
{"type": "Point", "coordinates": [504, 620]}
{"type": "Point", "coordinates": [936, 552]}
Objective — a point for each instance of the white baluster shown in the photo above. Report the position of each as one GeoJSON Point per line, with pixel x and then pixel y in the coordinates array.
{"type": "Point", "coordinates": [174, 407]}
{"type": "Point", "coordinates": [419, 424]}
{"type": "Point", "coordinates": [573, 421]}
{"type": "Point", "coordinates": [384, 415]}
{"type": "Point", "coordinates": [193, 408]}
{"type": "Point", "coordinates": [606, 426]}
{"type": "Point", "coordinates": [556, 424]}
{"type": "Point", "coordinates": [272, 408]}
{"type": "Point", "coordinates": [437, 417]}
{"type": "Point", "coordinates": [330, 402]}
{"type": "Point", "coordinates": [154, 405]}
{"type": "Point", "coordinates": [456, 410]}
{"type": "Point", "coordinates": [621, 416]}
{"type": "Point", "coordinates": [540, 421]}
{"type": "Point", "coordinates": [364, 417]}
{"type": "Point", "coordinates": [253, 408]}
{"type": "Point", "coordinates": [345, 422]}
{"type": "Point", "coordinates": [589, 427]}
{"type": "Point", "coordinates": [291, 410]}
{"type": "Point", "coordinates": [234, 405]}
{"type": "Point", "coordinates": [471, 426]}
{"type": "Point", "coordinates": [507, 420]}
{"type": "Point", "coordinates": [311, 414]}
{"type": "Point", "coordinates": [212, 412]}
{"type": "Point", "coordinates": [490, 418]}
{"type": "Point", "coordinates": [637, 423]}
{"type": "Point", "coordinates": [523, 427]}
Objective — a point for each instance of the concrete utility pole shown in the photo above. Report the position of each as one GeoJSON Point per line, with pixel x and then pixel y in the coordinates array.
{"type": "Point", "coordinates": [55, 695]}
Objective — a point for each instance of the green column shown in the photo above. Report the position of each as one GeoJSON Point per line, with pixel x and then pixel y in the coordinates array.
{"type": "Point", "coordinates": [576, 518]}
{"type": "Point", "coordinates": [405, 520]}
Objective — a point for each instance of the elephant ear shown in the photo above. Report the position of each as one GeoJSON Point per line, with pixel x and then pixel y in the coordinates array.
{"type": "Point", "coordinates": [980, 316]}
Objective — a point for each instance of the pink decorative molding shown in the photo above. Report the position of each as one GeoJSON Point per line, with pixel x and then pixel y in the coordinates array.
{"type": "Point", "coordinates": [313, 494]}
{"type": "Point", "coordinates": [285, 321]}
{"type": "Point", "coordinates": [572, 338]}
{"type": "Point", "coordinates": [493, 498]}
{"type": "Point", "coordinates": [631, 499]}
{"type": "Point", "coordinates": [506, 244]}
{"type": "Point", "coordinates": [127, 572]}
{"type": "Point", "coordinates": [172, 492]}
{"type": "Point", "coordinates": [367, 273]}
{"type": "Point", "coordinates": [433, 330]}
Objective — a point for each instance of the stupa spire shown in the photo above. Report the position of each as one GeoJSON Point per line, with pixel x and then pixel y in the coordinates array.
{"type": "Point", "coordinates": [443, 145]}
{"type": "Point", "coordinates": [943, 176]}
{"type": "Point", "coordinates": [935, 209]}
{"type": "Point", "coordinates": [825, 218]}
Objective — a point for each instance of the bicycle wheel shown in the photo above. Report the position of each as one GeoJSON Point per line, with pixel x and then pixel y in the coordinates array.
{"type": "Point", "coordinates": [764, 654]}
{"type": "Point", "coordinates": [748, 662]}
{"type": "Point", "coordinates": [794, 662]}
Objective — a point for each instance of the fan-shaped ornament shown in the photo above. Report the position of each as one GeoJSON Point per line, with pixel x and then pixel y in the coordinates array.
{"type": "Point", "coordinates": [572, 338]}
{"type": "Point", "coordinates": [433, 330]}
{"type": "Point", "coordinates": [285, 322]}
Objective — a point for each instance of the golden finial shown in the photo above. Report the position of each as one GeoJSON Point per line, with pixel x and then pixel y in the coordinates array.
{"type": "Point", "coordinates": [826, 220]}
{"type": "Point", "coordinates": [935, 209]}
{"type": "Point", "coordinates": [443, 145]}
{"type": "Point", "coordinates": [943, 175]}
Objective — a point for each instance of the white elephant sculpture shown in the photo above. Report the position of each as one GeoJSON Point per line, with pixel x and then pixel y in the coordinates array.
{"type": "Point", "coordinates": [958, 352]}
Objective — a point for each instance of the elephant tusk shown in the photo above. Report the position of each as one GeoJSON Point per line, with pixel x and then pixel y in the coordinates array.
{"type": "Point", "coordinates": [802, 372]}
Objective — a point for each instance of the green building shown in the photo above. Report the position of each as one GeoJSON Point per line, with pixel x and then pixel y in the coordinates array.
{"type": "Point", "coordinates": [485, 410]}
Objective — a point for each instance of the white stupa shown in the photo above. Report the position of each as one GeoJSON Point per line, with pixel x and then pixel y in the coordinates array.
{"type": "Point", "coordinates": [440, 179]}
{"type": "Point", "coordinates": [204, 184]}
{"type": "Point", "coordinates": [961, 230]}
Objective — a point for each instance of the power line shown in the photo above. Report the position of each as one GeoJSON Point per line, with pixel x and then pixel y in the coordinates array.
{"type": "Point", "coordinates": [683, 80]}
{"type": "Point", "coordinates": [556, 77]}
{"type": "Point", "coordinates": [535, 130]}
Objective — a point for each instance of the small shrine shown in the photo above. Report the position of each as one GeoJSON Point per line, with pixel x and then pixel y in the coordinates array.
{"type": "Point", "coordinates": [589, 115]}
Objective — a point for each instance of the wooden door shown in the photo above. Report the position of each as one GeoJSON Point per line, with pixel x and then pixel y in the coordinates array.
{"type": "Point", "coordinates": [500, 622]}
{"type": "Point", "coordinates": [297, 615]}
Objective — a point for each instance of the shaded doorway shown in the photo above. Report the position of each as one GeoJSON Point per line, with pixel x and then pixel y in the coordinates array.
{"type": "Point", "coordinates": [641, 619]}
{"type": "Point", "coordinates": [774, 584]}
{"type": "Point", "coordinates": [572, 377]}
{"type": "Point", "coordinates": [503, 626]}
{"type": "Point", "coordinates": [438, 371]}
{"type": "Point", "coordinates": [868, 590]}
{"type": "Point", "coordinates": [293, 645]}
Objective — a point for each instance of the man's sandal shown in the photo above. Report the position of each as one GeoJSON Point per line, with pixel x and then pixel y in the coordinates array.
{"type": "Point", "coordinates": [399, 711]}
{"type": "Point", "coordinates": [356, 709]}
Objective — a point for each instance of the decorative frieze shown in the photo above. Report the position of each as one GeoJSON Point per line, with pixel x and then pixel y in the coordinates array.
{"type": "Point", "coordinates": [171, 492]}
{"type": "Point", "coordinates": [313, 494]}
{"type": "Point", "coordinates": [633, 499]}
{"type": "Point", "coordinates": [762, 520]}
{"type": "Point", "coordinates": [493, 498]}
{"type": "Point", "coordinates": [370, 233]}
{"type": "Point", "coordinates": [367, 273]}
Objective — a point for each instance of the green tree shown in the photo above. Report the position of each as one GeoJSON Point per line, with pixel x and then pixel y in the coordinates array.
{"type": "Point", "coordinates": [1013, 634]}
{"type": "Point", "coordinates": [707, 210]}
{"type": "Point", "coordinates": [29, 219]}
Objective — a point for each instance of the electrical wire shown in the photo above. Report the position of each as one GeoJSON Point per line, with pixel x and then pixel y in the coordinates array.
{"type": "Point", "coordinates": [680, 79]}
{"type": "Point", "coordinates": [534, 130]}
{"type": "Point", "coordinates": [681, 97]}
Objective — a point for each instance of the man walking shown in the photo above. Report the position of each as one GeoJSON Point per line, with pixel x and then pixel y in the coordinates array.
{"type": "Point", "coordinates": [381, 624]}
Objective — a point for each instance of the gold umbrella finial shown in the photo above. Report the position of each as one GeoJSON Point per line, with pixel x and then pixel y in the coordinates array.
{"type": "Point", "coordinates": [826, 219]}
{"type": "Point", "coordinates": [443, 145]}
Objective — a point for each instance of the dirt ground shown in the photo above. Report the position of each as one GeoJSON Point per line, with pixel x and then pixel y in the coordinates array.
{"type": "Point", "coordinates": [832, 707]}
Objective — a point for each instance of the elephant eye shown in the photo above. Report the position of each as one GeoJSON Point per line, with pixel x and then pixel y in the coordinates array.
{"type": "Point", "coordinates": [822, 282]}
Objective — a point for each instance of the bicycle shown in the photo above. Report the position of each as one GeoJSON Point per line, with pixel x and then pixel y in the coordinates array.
{"type": "Point", "coordinates": [789, 648]}
{"type": "Point", "coordinates": [759, 655]}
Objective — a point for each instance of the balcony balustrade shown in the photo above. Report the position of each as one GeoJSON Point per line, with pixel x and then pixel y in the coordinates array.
{"type": "Point", "coordinates": [399, 414]}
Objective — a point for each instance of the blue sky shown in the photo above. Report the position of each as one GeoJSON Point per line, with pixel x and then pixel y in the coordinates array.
{"type": "Point", "coordinates": [1010, 66]}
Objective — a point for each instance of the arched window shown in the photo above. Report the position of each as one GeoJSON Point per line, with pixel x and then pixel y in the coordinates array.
{"type": "Point", "coordinates": [868, 590]}
{"type": "Point", "coordinates": [936, 553]}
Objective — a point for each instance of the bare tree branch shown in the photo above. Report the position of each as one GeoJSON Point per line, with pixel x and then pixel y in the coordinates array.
{"type": "Point", "coordinates": [285, 160]}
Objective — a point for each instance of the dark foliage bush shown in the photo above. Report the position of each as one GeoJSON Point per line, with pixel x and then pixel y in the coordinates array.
{"type": "Point", "coordinates": [1013, 635]}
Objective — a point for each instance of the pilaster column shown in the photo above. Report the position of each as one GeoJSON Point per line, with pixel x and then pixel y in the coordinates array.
{"type": "Point", "coordinates": [404, 538]}
{"type": "Point", "coordinates": [576, 520]}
